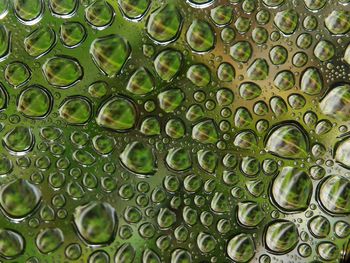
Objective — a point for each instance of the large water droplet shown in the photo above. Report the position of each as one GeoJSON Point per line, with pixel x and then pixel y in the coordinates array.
{"type": "Point", "coordinates": [287, 21]}
{"type": "Point", "coordinates": [164, 24]}
{"type": "Point", "coordinates": [336, 103]}
{"type": "Point", "coordinates": [19, 140]}
{"type": "Point", "coordinates": [281, 236]}
{"type": "Point", "coordinates": [134, 9]}
{"type": "Point", "coordinates": [241, 248]}
{"type": "Point", "coordinates": [62, 71]}
{"type": "Point", "coordinates": [139, 158]}
{"type": "Point", "coordinates": [292, 190]}
{"type": "Point", "coordinates": [40, 41]}
{"type": "Point", "coordinates": [334, 194]}
{"type": "Point", "coordinates": [110, 53]}
{"type": "Point", "coordinates": [249, 214]}
{"type": "Point", "coordinates": [167, 64]}
{"type": "Point", "coordinates": [118, 114]}
{"type": "Point", "coordinates": [338, 22]}
{"type": "Point", "coordinates": [205, 132]}
{"type": "Point", "coordinates": [19, 198]}
{"type": "Point", "coordinates": [76, 110]}
{"type": "Point", "coordinates": [96, 222]}
{"type": "Point", "coordinates": [12, 243]}
{"type": "Point", "coordinates": [49, 240]}
{"type": "Point", "coordinates": [28, 12]}
{"type": "Point", "coordinates": [99, 14]}
{"type": "Point", "coordinates": [200, 36]}
{"type": "Point", "coordinates": [34, 102]}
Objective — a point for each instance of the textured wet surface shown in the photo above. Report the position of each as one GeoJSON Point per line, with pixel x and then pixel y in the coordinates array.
{"type": "Point", "coordinates": [174, 131]}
